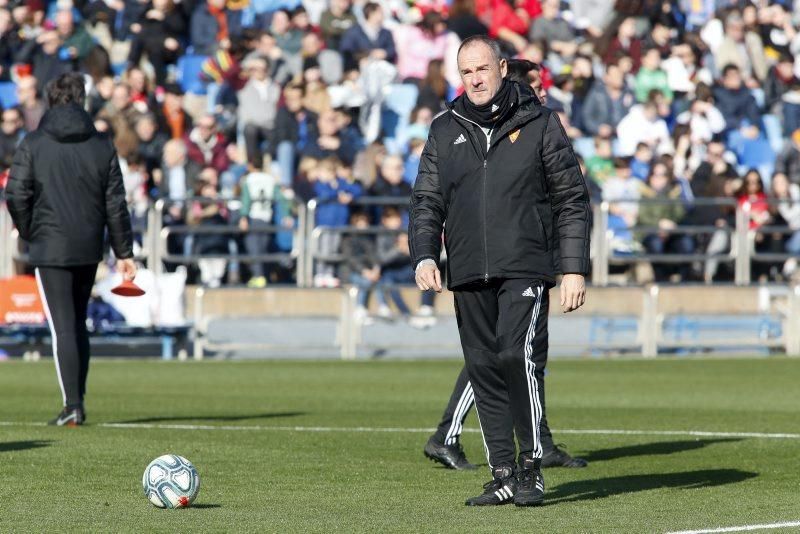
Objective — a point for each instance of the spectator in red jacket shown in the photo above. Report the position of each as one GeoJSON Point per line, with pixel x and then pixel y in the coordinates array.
{"type": "Point", "coordinates": [207, 146]}
{"type": "Point", "coordinates": [625, 44]}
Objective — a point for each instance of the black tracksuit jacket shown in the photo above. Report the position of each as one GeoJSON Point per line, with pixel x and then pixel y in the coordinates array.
{"type": "Point", "coordinates": [517, 210]}
{"type": "Point", "coordinates": [65, 187]}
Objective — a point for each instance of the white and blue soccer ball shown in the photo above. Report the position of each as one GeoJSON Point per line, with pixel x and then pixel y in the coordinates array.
{"type": "Point", "coordinates": [171, 481]}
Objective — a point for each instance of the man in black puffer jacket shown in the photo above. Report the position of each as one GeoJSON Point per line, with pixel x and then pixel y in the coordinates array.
{"type": "Point", "coordinates": [500, 172]}
{"type": "Point", "coordinates": [444, 445]}
{"type": "Point", "coordinates": [65, 188]}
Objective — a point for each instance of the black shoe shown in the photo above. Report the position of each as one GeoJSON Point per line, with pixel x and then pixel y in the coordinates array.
{"type": "Point", "coordinates": [556, 457]}
{"type": "Point", "coordinates": [530, 482]}
{"type": "Point", "coordinates": [500, 490]}
{"type": "Point", "coordinates": [69, 417]}
{"type": "Point", "coordinates": [450, 456]}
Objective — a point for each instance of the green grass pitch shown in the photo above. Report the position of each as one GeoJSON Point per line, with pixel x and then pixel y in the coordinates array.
{"type": "Point", "coordinates": [270, 472]}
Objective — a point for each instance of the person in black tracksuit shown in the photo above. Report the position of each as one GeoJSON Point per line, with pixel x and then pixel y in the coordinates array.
{"type": "Point", "coordinates": [65, 189]}
{"type": "Point", "coordinates": [444, 445]}
{"type": "Point", "coordinates": [499, 176]}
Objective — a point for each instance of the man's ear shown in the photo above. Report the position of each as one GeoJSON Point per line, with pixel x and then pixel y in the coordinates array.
{"type": "Point", "coordinates": [503, 68]}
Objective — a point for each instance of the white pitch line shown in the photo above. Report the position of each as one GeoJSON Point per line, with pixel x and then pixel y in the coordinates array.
{"type": "Point", "coordinates": [609, 432]}
{"type": "Point", "coordinates": [696, 433]}
{"type": "Point", "coordinates": [741, 529]}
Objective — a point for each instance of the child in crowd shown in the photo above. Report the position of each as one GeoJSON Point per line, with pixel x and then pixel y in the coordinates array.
{"type": "Point", "coordinates": [640, 163]}
{"type": "Point", "coordinates": [412, 161]}
{"type": "Point", "coordinates": [207, 210]}
{"type": "Point", "coordinates": [334, 195]}
{"type": "Point", "coordinates": [360, 266]}
{"type": "Point", "coordinates": [600, 165]}
{"type": "Point", "coordinates": [395, 264]}
{"type": "Point", "coordinates": [622, 191]}
{"type": "Point", "coordinates": [257, 196]}
{"type": "Point", "coordinates": [651, 76]}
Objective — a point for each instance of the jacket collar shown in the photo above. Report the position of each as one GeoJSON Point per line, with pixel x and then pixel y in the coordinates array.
{"type": "Point", "coordinates": [527, 110]}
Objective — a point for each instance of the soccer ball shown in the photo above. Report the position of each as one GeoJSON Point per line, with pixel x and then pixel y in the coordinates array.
{"type": "Point", "coordinates": [171, 481]}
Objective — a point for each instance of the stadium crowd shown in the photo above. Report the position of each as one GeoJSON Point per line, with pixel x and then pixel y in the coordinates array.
{"type": "Point", "coordinates": [234, 111]}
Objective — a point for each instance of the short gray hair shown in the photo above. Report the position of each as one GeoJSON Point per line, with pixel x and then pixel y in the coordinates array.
{"type": "Point", "coordinates": [482, 39]}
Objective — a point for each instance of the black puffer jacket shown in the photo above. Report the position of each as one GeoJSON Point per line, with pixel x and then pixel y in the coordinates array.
{"type": "Point", "coordinates": [513, 211]}
{"type": "Point", "coordinates": [65, 188]}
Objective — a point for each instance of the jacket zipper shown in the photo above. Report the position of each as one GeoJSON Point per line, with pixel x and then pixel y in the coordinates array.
{"type": "Point", "coordinates": [485, 238]}
{"type": "Point", "coordinates": [485, 224]}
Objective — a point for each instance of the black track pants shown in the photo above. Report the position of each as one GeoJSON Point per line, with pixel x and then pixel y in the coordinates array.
{"type": "Point", "coordinates": [463, 399]}
{"type": "Point", "coordinates": [503, 329]}
{"type": "Point", "coordinates": [65, 293]}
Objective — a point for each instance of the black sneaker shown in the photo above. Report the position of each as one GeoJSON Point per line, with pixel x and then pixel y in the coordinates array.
{"type": "Point", "coordinates": [500, 490]}
{"type": "Point", "coordinates": [450, 456]}
{"type": "Point", "coordinates": [530, 482]}
{"type": "Point", "coordinates": [557, 457]}
{"type": "Point", "coordinates": [69, 417]}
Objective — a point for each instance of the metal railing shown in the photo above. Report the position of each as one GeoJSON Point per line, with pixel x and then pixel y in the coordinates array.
{"type": "Point", "coordinates": [305, 250]}
{"type": "Point", "coordinates": [160, 234]}
{"type": "Point", "coordinates": [313, 232]}
{"type": "Point", "coordinates": [742, 251]}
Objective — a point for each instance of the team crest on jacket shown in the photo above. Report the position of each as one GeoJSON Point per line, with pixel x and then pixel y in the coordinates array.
{"type": "Point", "coordinates": [513, 135]}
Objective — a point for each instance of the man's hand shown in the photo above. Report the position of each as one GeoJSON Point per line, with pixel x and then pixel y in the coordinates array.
{"type": "Point", "coordinates": [127, 268]}
{"type": "Point", "coordinates": [429, 277]}
{"type": "Point", "coordinates": [573, 292]}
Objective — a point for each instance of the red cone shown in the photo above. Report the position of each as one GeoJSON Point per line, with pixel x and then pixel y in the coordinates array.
{"type": "Point", "coordinates": [128, 289]}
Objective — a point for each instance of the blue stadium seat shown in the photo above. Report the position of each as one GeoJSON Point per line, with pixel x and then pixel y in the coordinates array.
{"type": "Point", "coordinates": [774, 132]}
{"type": "Point", "coordinates": [8, 94]}
{"type": "Point", "coordinates": [189, 69]}
{"type": "Point", "coordinates": [398, 104]}
{"type": "Point", "coordinates": [757, 154]}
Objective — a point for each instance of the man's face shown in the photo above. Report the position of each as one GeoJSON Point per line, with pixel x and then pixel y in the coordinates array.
{"type": "Point", "coordinates": [207, 127]}
{"type": "Point", "coordinates": [26, 90]}
{"type": "Point", "coordinates": [424, 116]}
{"type": "Point", "coordinates": [173, 102]}
{"type": "Point", "coordinates": [614, 77]}
{"type": "Point", "coordinates": [294, 100]}
{"type": "Point", "coordinates": [536, 84]}
{"type": "Point", "coordinates": [209, 176]}
{"type": "Point", "coordinates": [266, 44]}
{"type": "Point", "coordinates": [121, 97]}
{"type": "Point", "coordinates": [392, 170]}
{"type": "Point", "coordinates": [550, 8]}
{"type": "Point", "coordinates": [280, 23]}
{"type": "Point", "coordinates": [481, 73]}
{"type": "Point", "coordinates": [651, 60]}
{"type": "Point", "coordinates": [258, 70]}
{"type": "Point", "coordinates": [5, 21]}
{"type": "Point", "coordinates": [735, 30]}
{"type": "Point", "coordinates": [50, 42]}
{"type": "Point", "coordinates": [145, 129]}
{"type": "Point", "coordinates": [11, 121]}
{"type": "Point", "coordinates": [340, 5]}
{"type": "Point", "coordinates": [64, 22]}
{"type": "Point", "coordinates": [732, 80]}
{"type": "Point", "coordinates": [715, 152]}
{"type": "Point", "coordinates": [311, 44]}
{"type": "Point", "coordinates": [376, 18]}
{"type": "Point", "coordinates": [392, 221]}
{"type": "Point", "coordinates": [328, 123]}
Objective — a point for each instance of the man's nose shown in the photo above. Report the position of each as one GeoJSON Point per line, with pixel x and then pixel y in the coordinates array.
{"type": "Point", "coordinates": [477, 82]}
